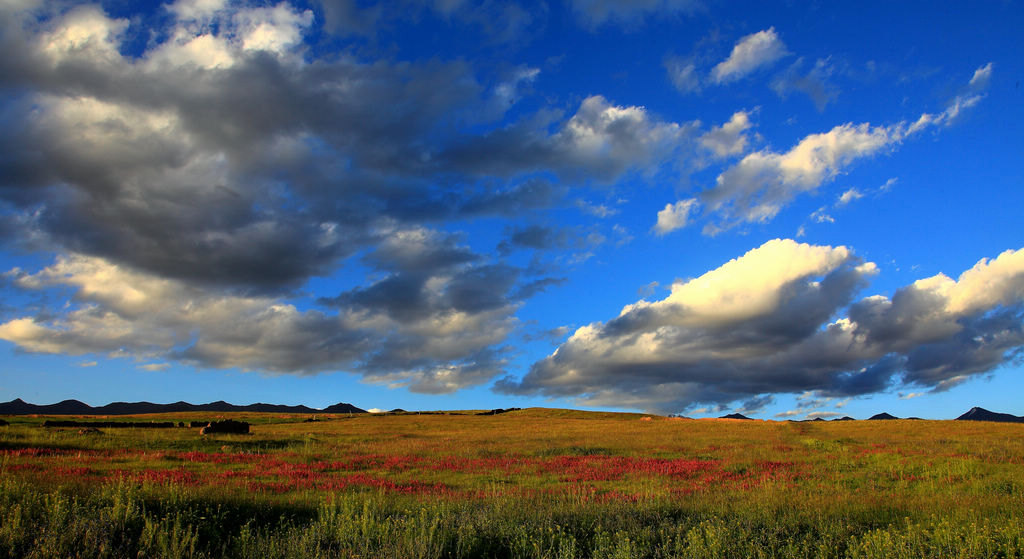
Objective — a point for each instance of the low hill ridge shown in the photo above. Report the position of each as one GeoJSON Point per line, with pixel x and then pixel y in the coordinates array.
{"type": "Point", "coordinates": [74, 407]}
{"type": "Point", "coordinates": [981, 414]}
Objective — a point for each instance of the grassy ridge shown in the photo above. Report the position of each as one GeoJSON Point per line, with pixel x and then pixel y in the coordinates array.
{"type": "Point", "coordinates": [532, 483]}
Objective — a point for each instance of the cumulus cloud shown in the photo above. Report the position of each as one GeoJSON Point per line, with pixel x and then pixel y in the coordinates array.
{"type": "Point", "coordinates": [436, 322]}
{"type": "Point", "coordinates": [169, 161]}
{"type": "Point", "coordinates": [193, 186]}
{"type": "Point", "coordinates": [750, 53]}
{"type": "Point", "coordinates": [756, 188]}
{"type": "Point", "coordinates": [601, 141]}
{"type": "Point", "coordinates": [729, 138]}
{"type": "Point", "coordinates": [674, 216]}
{"type": "Point", "coordinates": [765, 324]}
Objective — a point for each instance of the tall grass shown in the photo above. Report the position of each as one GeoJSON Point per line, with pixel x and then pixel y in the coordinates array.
{"type": "Point", "coordinates": [122, 520]}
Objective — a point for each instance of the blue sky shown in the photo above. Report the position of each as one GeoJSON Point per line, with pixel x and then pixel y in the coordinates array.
{"type": "Point", "coordinates": [784, 210]}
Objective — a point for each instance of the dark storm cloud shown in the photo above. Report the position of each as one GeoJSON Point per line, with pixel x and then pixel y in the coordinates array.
{"type": "Point", "coordinates": [720, 339]}
{"type": "Point", "coordinates": [406, 296]}
{"type": "Point", "coordinates": [434, 325]}
{"type": "Point", "coordinates": [203, 202]}
{"type": "Point", "coordinates": [599, 142]}
{"type": "Point", "coordinates": [189, 181]}
{"type": "Point", "coordinates": [537, 237]}
{"type": "Point", "coordinates": [529, 289]}
{"type": "Point", "coordinates": [756, 404]}
{"type": "Point", "coordinates": [252, 169]}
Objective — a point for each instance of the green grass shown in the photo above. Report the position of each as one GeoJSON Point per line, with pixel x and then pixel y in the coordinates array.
{"type": "Point", "coordinates": [531, 483]}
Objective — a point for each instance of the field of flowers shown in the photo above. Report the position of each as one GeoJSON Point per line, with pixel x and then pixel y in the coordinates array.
{"type": "Point", "coordinates": [529, 483]}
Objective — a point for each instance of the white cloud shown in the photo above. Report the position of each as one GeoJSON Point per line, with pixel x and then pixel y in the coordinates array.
{"type": "Point", "coordinates": [443, 341]}
{"type": "Point", "coordinates": [600, 142]}
{"type": "Point", "coordinates": [602, 134]}
{"type": "Point", "coordinates": [83, 32]}
{"type": "Point", "coordinates": [751, 285]}
{"type": "Point", "coordinates": [765, 324]}
{"type": "Point", "coordinates": [196, 10]}
{"type": "Point", "coordinates": [155, 367]}
{"type": "Point", "coordinates": [981, 77]}
{"type": "Point", "coordinates": [275, 29]}
{"type": "Point", "coordinates": [987, 284]}
{"type": "Point", "coordinates": [750, 53]}
{"type": "Point", "coordinates": [821, 216]}
{"type": "Point", "coordinates": [974, 95]}
{"type": "Point", "coordinates": [849, 196]}
{"type": "Point", "coordinates": [729, 138]}
{"type": "Point", "coordinates": [674, 216]}
{"type": "Point", "coordinates": [756, 188]}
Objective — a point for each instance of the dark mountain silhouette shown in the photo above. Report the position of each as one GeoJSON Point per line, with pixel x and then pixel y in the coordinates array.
{"type": "Point", "coordinates": [883, 415]}
{"type": "Point", "coordinates": [982, 414]}
{"type": "Point", "coordinates": [734, 416]}
{"type": "Point", "coordinates": [844, 418]}
{"type": "Point", "coordinates": [74, 407]}
{"type": "Point", "coordinates": [342, 408]}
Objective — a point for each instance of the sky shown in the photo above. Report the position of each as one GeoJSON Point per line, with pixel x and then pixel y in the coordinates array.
{"type": "Point", "coordinates": [786, 210]}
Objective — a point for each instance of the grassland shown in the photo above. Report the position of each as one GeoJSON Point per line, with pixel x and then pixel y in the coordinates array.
{"type": "Point", "coordinates": [530, 483]}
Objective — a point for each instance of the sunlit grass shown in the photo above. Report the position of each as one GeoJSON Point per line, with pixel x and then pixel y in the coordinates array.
{"type": "Point", "coordinates": [531, 483]}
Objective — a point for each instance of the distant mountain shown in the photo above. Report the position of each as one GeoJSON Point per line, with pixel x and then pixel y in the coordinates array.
{"type": "Point", "coordinates": [982, 414]}
{"type": "Point", "coordinates": [883, 415]}
{"type": "Point", "coordinates": [74, 407]}
{"type": "Point", "coordinates": [734, 416]}
{"type": "Point", "coordinates": [342, 408]}
{"type": "Point", "coordinates": [844, 418]}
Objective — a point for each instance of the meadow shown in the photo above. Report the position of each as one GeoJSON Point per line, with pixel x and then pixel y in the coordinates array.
{"type": "Point", "coordinates": [528, 483]}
